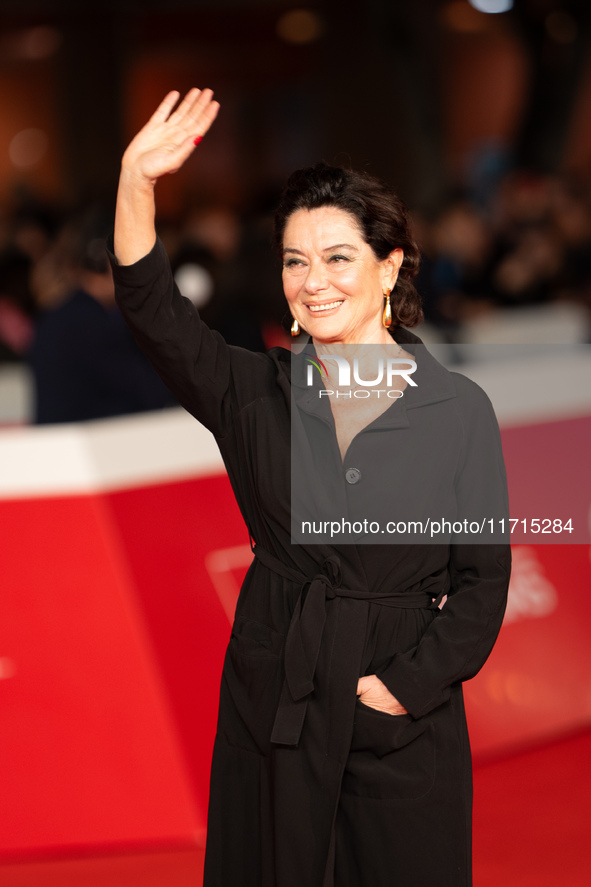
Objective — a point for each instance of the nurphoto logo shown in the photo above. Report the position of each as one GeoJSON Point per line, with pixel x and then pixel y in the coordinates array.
{"type": "Point", "coordinates": [387, 369]}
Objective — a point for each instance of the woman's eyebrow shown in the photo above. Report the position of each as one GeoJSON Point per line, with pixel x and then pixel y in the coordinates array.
{"type": "Point", "coordinates": [339, 246]}
{"type": "Point", "coordinates": [291, 249]}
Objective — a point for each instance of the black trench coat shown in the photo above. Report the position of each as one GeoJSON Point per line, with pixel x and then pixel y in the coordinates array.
{"type": "Point", "coordinates": [310, 787]}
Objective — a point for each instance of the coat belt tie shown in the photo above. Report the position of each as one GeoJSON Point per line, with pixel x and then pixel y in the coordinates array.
{"type": "Point", "coordinates": [304, 636]}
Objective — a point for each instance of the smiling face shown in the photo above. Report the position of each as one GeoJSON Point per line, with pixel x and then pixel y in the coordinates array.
{"type": "Point", "coordinates": [333, 282]}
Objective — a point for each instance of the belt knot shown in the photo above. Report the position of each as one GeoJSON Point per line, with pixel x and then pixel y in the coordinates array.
{"type": "Point", "coordinates": [330, 576]}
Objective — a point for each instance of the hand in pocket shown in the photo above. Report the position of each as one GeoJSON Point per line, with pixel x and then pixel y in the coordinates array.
{"type": "Point", "coordinates": [373, 693]}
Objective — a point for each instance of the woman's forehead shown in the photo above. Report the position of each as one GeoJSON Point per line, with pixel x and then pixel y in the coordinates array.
{"type": "Point", "coordinates": [322, 225]}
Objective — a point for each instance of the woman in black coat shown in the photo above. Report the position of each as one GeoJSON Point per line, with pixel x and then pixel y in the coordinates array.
{"type": "Point", "coordinates": [341, 756]}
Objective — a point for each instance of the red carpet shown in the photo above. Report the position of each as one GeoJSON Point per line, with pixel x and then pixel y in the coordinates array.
{"type": "Point", "coordinates": [532, 815]}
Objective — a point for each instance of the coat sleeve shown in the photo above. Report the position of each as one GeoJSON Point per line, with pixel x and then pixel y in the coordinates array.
{"type": "Point", "coordinates": [208, 377]}
{"type": "Point", "coordinates": [458, 641]}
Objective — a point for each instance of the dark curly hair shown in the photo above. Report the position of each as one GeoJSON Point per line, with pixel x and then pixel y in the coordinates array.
{"type": "Point", "coordinates": [380, 214]}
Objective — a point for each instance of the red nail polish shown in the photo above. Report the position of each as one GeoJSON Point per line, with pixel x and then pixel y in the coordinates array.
{"type": "Point", "coordinates": [197, 139]}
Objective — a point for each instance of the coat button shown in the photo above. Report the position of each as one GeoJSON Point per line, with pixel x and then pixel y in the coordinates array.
{"type": "Point", "coordinates": [352, 475]}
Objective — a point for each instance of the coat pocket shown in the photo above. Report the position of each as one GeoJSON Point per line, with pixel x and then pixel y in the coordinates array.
{"type": "Point", "coordinates": [255, 639]}
{"type": "Point", "coordinates": [392, 757]}
{"type": "Point", "coordinates": [251, 685]}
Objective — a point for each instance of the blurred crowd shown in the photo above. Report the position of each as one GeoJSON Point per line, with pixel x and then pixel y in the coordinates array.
{"type": "Point", "coordinates": [526, 242]}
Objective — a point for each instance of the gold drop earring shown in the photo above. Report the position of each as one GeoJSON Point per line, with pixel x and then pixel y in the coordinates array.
{"type": "Point", "coordinates": [295, 328]}
{"type": "Point", "coordinates": [387, 315]}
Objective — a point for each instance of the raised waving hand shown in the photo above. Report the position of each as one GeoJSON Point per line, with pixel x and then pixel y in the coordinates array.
{"type": "Point", "coordinates": [160, 148]}
{"type": "Point", "coordinates": [169, 137]}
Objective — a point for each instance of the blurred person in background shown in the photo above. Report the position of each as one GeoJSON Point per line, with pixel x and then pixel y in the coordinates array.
{"type": "Point", "coordinates": [212, 240]}
{"type": "Point", "coordinates": [26, 232]}
{"type": "Point", "coordinates": [572, 223]}
{"type": "Point", "coordinates": [530, 258]}
{"type": "Point", "coordinates": [461, 270]}
{"type": "Point", "coordinates": [17, 306]}
{"type": "Point", "coordinates": [84, 361]}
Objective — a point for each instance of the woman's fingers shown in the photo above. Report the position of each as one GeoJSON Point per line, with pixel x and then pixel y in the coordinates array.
{"type": "Point", "coordinates": [207, 117]}
{"type": "Point", "coordinates": [163, 110]}
{"type": "Point", "coordinates": [375, 694]}
{"type": "Point", "coordinates": [201, 113]}
{"type": "Point", "coordinates": [191, 108]}
{"type": "Point", "coordinates": [178, 116]}
{"type": "Point", "coordinates": [200, 117]}
{"type": "Point", "coordinates": [196, 107]}
{"type": "Point", "coordinates": [193, 117]}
